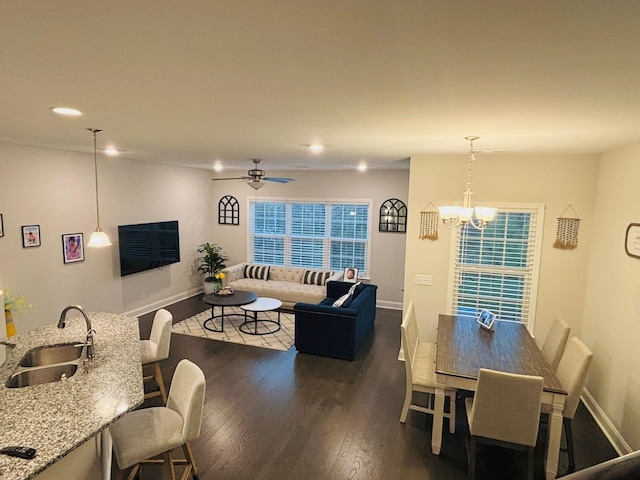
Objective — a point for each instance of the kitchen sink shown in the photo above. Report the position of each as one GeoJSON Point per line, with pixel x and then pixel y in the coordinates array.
{"type": "Point", "coordinates": [51, 355]}
{"type": "Point", "coordinates": [37, 376]}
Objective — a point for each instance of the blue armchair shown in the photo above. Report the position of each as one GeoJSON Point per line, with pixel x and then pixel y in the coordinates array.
{"type": "Point", "coordinates": [323, 329]}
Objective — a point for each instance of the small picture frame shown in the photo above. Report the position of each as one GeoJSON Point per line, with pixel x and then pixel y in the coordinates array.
{"type": "Point", "coordinates": [486, 319]}
{"type": "Point", "coordinates": [1, 226]}
{"type": "Point", "coordinates": [30, 236]}
{"type": "Point", "coordinates": [72, 247]}
{"type": "Point", "coordinates": [350, 275]}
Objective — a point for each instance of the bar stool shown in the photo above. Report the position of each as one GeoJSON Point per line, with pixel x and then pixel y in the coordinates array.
{"type": "Point", "coordinates": [143, 434]}
{"type": "Point", "coordinates": [156, 349]}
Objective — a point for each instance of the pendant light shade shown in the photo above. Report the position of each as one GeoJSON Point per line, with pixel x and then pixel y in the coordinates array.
{"type": "Point", "coordinates": [98, 238]}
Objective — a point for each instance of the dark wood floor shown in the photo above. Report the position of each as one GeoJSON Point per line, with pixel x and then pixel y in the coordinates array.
{"type": "Point", "coordinates": [283, 415]}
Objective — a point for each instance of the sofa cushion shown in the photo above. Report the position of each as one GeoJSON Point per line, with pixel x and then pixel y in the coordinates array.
{"type": "Point", "coordinates": [259, 272]}
{"type": "Point", "coordinates": [315, 277]}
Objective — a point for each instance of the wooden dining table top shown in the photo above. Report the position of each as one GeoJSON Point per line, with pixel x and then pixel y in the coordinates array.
{"type": "Point", "coordinates": [463, 347]}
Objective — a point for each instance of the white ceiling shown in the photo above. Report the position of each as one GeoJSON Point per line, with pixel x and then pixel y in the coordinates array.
{"type": "Point", "coordinates": [198, 81]}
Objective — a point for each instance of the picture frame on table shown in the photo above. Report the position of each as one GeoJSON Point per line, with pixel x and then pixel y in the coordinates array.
{"type": "Point", "coordinates": [1, 226]}
{"type": "Point", "coordinates": [73, 247]}
{"type": "Point", "coordinates": [31, 236]}
{"type": "Point", "coordinates": [350, 275]}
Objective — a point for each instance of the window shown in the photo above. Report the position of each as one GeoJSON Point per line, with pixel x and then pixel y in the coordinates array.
{"type": "Point", "coordinates": [497, 268]}
{"type": "Point", "coordinates": [331, 235]}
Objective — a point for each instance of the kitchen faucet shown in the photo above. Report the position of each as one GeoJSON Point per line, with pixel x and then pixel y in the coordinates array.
{"type": "Point", "coordinates": [90, 330]}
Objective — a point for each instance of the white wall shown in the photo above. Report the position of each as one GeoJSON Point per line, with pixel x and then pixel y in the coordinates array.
{"type": "Point", "coordinates": [611, 322]}
{"type": "Point", "coordinates": [554, 181]}
{"type": "Point", "coordinates": [56, 190]}
{"type": "Point", "coordinates": [387, 249]}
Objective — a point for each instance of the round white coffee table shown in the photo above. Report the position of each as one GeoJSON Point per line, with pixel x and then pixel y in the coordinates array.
{"type": "Point", "coordinates": [261, 304]}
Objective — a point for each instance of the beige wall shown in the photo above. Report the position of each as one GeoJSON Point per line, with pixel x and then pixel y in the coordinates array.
{"type": "Point", "coordinates": [554, 181]}
{"type": "Point", "coordinates": [611, 321]}
{"type": "Point", "coordinates": [387, 249]}
{"type": "Point", "coordinates": [55, 189]}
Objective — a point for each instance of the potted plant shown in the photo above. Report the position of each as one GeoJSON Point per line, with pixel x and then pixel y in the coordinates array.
{"type": "Point", "coordinates": [209, 264]}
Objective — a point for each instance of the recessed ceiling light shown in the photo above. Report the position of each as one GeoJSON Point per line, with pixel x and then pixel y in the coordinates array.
{"type": "Point", "coordinates": [316, 147]}
{"type": "Point", "coordinates": [111, 151]}
{"type": "Point", "coordinates": [362, 167]}
{"type": "Point", "coordinates": [66, 111]}
{"type": "Point", "coordinates": [218, 167]}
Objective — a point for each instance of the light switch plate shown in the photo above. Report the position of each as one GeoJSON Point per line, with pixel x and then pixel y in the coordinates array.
{"type": "Point", "coordinates": [423, 279]}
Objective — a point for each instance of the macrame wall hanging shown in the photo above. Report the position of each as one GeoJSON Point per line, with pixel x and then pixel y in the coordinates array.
{"type": "Point", "coordinates": [429, 220]}
{"type": "Point", "coordinates": [567, 233]}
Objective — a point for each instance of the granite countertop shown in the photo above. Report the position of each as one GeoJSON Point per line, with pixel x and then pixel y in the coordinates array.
{"type": "Point", "coordinates": [55, 418]}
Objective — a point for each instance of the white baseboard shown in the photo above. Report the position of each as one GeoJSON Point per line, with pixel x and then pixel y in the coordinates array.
{"type": "Point", "coordinates": [389, 305]}
{"type": "Point", "coordinates": [150, 307]}
{"type": "Point", "coordinates": [607, 427]}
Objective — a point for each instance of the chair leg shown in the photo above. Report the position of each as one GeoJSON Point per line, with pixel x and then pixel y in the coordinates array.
{"type": "Point", "coordinates": [157, 376]}
{"type": "Point", "coordinates": [188, 454]}
{"type": "Point", "coordinates": [568, 432]}
{"type": "Point", "coordinates": [407, 403]}
{"type": "Point", "coordinates": [168, 466]}
{"type": "Point", "coordinates": [472, 457]}
{"type": "Point", "coordinates": [530, 458]}
{"type": "Point", "coordinates": [452, 414]}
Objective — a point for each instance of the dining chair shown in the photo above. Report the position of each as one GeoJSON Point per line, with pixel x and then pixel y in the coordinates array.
{"type": "Point", "coordinates": [555, 342]}
{"type": "Point", "coordinates": [143, 434]}
{"type": "Point", "coordinates": [572, 372]}
{"type": "Point", "coordinates": [505, 411]}
{"type": "Point", "coordinates": [156, 349]}
{"type": "Point", "coordinates": [420, 371]}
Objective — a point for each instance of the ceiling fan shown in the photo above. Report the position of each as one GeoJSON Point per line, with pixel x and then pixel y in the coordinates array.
{"type": "Point", "coordinates": [256, 177]}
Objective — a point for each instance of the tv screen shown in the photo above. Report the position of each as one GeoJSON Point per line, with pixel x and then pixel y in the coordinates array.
{"type": "Point", "coordinates": [148, 245]}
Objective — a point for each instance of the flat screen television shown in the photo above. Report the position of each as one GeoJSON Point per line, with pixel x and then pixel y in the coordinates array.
{"type": "Point", "coordinates": [145, 246]}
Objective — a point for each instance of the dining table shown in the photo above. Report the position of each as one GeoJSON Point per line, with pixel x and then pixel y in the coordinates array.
{"type": "Point", "coordinates": [463, 347]}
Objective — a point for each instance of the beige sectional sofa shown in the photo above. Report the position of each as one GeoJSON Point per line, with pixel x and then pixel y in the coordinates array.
{"type": "Point", "coordinates": [290, 285]}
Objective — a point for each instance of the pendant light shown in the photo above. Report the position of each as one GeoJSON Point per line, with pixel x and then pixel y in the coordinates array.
{"type": "Point", "coordinates": [454, 215]}
{"type": "Point", "coordinates": [98, 238]}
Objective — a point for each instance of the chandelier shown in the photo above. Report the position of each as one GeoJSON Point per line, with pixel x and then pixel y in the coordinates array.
{"type": "Point", "coordinates": [454, 215]}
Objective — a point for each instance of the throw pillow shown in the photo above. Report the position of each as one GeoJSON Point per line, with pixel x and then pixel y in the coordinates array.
{"type": "Point", "coordinates": [312, 277]}
{"type": "Point", "coordinates": [339, 302]}
{"type": "Point", "coordinates": [352, 290]}
{"type": "Point", "coordinates": [259, 272]}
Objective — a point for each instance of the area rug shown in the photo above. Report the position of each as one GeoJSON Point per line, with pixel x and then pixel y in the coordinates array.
{"type": "Point", "coordinates": [233, 318]}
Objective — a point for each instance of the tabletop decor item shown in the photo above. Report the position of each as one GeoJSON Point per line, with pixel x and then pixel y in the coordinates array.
{"type": "Point", "coordinates": [13, 303]}
{"type": "Point", "coordinates": [210, 265]}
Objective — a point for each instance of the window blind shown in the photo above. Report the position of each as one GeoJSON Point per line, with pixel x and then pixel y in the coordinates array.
{"type": "Point", "coordinates": [497, 268]}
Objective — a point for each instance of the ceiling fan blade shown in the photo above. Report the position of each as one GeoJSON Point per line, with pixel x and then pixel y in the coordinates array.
{"type": "Point", "coordinates": [232, 178]}
{"type": "Point", "coordinates": [279, 179]}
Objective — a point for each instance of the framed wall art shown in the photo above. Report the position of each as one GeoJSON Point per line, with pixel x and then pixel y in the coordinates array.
{"type": "Point", "coordinates": [632, 240]}
{"type": "Point", "coordinates": [30, 236]}
{"type": "Point", "coordinates": [72, 247]}
{"type": "Point", "coordinates": [1, 226]}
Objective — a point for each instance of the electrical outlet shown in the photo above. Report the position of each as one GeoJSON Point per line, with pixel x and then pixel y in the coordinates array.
{"type": "Point", "coordinates": [423, 280]}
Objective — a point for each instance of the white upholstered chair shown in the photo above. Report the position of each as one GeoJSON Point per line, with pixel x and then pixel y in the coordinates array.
{"type": "Point", "coordinates": [572, 372]}
{"type": "Point", "coordinates": [156, 349]}
{"type": "Point", "coordinates": [420, 373]}
{"type": "Point", "coordinates": [143, 434]}
{"type": "Point", "coordinates": [505, 411]}
{"type": "Point", "coordinates": [555, 342]}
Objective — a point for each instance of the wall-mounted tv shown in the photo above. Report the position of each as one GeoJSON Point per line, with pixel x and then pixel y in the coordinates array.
{"type": "Point", "coordinates": [144, 246]}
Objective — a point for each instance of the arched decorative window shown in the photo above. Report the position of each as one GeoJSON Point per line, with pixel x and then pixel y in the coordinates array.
{"type": "Point", "coordinates": [228, 211]}
{"type": "Point", "coordinates": [393, 216]}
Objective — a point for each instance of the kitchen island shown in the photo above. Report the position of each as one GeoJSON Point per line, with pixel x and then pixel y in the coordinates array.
{"type": "Point", "coordinates": [58, 417]}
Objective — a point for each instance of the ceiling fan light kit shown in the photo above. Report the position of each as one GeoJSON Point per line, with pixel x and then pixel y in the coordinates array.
{"type": "Point", "coordinates": [255, 177]}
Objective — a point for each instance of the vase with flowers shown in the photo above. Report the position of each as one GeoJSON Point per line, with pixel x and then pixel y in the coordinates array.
{"type": "Point", "coordinates": [13, 303]}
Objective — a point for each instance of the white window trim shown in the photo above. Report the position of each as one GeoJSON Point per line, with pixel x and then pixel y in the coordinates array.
{"type": "Point", "coordinates": [512, 207]}
{"type": "Point", "coordinates": [363, 201]}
